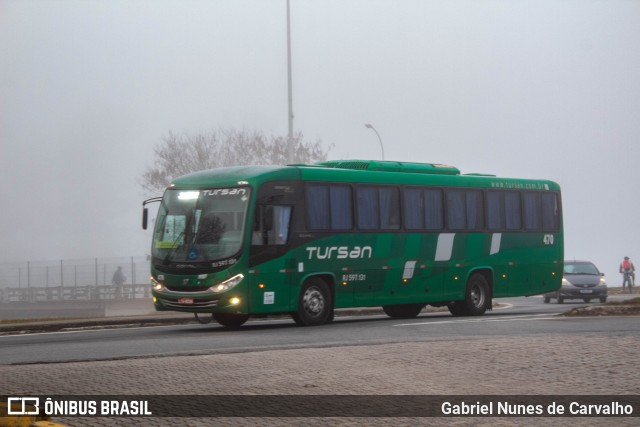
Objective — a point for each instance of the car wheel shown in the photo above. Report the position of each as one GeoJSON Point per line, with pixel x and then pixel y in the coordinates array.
{"type": "Point", "coordinates": [560, 300]}
{"type": "Point", "coordinates": [547, 300]}
{"type": "Point", "coordinates": [603, 300]}
{"type": "Point", "coordinates": [587, 300]}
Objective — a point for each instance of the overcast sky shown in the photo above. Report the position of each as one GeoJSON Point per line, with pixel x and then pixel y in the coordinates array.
{"type": "Point", "coordinates": [533, 89]}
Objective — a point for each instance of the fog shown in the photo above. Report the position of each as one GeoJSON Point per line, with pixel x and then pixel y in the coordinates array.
{"type": "Point", "coordinates": [532, 89]}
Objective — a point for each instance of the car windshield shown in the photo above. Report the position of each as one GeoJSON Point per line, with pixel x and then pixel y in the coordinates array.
{"type": "Point", "coordinates": [200, 226]}
{"type": "Point", "coordinates": [580, 268]}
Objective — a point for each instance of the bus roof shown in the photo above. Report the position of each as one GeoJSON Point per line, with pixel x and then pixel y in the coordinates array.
{"type": "Point", "coordinates": [235, 175]}
{"type": "Point", "coordinates": [390, 166]}
{"type": "Point", "coordinates": [372, 171]}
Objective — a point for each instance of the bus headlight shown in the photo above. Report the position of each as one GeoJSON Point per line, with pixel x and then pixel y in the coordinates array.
{"type": "Point", "coordinates": [227, 284]}
{"type": "Point", "coordinates": [157, 286]}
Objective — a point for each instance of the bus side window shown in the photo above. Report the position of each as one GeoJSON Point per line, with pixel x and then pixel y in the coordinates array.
{"type": "Point", "coordinates": [281, 219]}
{"type": "Point", "coordinates": [271, 225]}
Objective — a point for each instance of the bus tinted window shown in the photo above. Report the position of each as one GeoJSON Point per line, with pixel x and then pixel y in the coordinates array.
{"type": "Point", "coordinates": [550, 212]}
{"type": "Point", "coordinates": [495, 209]}
{"type": "Point", "coordinates": [512, 210]}
{"type": "Point", "coordinates": [503, 210]}
{"type": "Point", "coordinates": [532, 211]}
{"type": "Point", "coordinates": [434, 218]}
{"type": "Point", "coordinates": [465, 210]}
{"type": "Point", "coordinates": [413, 209]}
{"type": "Point", "coordinates": [456, 210]}
{"type": "Point", "coordinates": [389, 208]}
{"type": "Point", "coordinates": [329, 207]}
{"type": "Point", "coordinates": [368, 208]}
{"type": "Point", "coordinates": [475, 211]}
{"type": "Point", "coordinates": [341, 207]}
{"type": "Point", "coordinates": [317, 200]}
{"type": "Point", "coordinates": [378, 208]}
{"type": "Point", "coordinates": [423, 209]}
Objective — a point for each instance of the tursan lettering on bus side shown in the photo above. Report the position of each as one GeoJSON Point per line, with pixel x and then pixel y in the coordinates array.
{"type": "Point", "coordinates": [339, 252]}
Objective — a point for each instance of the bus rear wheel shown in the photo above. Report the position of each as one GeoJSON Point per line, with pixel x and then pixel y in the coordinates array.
{"type": "Point", "coordinates": [315, 306]}
{"type": "Point", "coordinates": [477, 298]}
{"type": "Point", "coordinates": [230, 320]}
{"type": "Point", "coordinates": [403, 311]}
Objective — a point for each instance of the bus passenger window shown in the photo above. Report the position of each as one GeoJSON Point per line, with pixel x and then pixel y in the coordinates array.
{"type": "Point", "coordinates": [512, 210]}
{"type": "Point", "coordinates": [368, 208]}
{"type": "Point", "coordinates": [434, 218]}
{"type": "Point", "coordinates": [389, 208]}
{"type": "Point", "coordinates": [532, 218]}
{"type": "Point", "coordinates": [550, 212]}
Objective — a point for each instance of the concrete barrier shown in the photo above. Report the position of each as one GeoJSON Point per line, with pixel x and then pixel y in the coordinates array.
{"type": "Point", "coordinates": [75, 309]}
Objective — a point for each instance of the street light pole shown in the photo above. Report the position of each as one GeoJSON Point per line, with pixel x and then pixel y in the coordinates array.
{"type": "Point", "coordinates": [370, 126]}
{"type": "Point", "coordinates": [289, 86]}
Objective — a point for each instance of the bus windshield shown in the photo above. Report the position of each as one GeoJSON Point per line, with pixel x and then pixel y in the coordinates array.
{"type": "Point", "coordinates": [200, 226]}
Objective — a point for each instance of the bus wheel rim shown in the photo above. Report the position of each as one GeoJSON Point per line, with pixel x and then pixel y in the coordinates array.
{"type": "Point", "coordinates": [477, 296]}
{"type": "Point", "coordinates": [313, 301]}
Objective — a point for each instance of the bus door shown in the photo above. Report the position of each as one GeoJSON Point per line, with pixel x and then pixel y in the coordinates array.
{"type": "Point", "coordinates": [270, 259]}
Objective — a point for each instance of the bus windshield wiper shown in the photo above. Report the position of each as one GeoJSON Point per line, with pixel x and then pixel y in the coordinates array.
{"type": "Point", "coordinates": [174, 246]}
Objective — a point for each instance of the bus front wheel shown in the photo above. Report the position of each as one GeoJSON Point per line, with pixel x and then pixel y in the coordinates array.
{"type": "Point", "coordinates": [230, 320]}
{"type": "Point", "coordinates": [477, 298]}
{"type": "Point", "coordinates": [315, 306]}
{"type": "Point", "coordinates": [203, 318]}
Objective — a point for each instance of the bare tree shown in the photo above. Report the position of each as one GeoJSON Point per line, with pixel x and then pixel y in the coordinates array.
{"type": "Point", "coordinates": [179, 154]}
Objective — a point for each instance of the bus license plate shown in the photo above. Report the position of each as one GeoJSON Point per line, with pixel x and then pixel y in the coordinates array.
{"type": "Point", "coordinates": [185, 301]}
{"type": "Point", "coordinates": [586, 291]}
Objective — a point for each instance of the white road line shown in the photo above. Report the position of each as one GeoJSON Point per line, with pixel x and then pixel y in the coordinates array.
{"type": "Point", "coordinates": [485, 319]}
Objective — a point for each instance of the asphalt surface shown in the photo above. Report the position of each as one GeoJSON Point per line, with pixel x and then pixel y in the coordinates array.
{"type": "Point", "coordinates": [558, 364]}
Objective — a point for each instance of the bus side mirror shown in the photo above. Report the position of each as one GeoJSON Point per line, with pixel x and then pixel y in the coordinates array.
{"type": "Point", "coordinates": [145, 218]}
{"type": "Point", "coordinates": [145, 211]}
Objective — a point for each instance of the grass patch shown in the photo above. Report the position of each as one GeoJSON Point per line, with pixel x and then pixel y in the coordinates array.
{"type": "Point", "coordinates": [632, 301]}
{"type": "Point", "coordinates": [630, 307]}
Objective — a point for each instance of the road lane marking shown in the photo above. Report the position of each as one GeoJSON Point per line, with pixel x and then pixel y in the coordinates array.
{"type": "Point", "coordinates": [485, 319]}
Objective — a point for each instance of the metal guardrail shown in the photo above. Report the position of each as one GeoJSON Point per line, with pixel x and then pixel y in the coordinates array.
{"type": "Point", "coordinates": [75, 293]}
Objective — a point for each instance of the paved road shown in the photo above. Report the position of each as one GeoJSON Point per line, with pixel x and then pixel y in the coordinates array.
{"type": "Point", "coordinates": [516, 316]}
{"type": "Point", "coordinates": [522, 350]}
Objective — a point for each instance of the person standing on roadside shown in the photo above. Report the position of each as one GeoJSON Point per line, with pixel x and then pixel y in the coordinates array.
{"type": "Point", "coordinates": [118, 279]}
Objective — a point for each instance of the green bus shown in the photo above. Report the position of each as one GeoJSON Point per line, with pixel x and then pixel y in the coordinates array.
{"type": "Point", "coordinates": [304, 240]}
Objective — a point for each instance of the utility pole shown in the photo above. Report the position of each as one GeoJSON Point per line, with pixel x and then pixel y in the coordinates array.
{"type": "Point", "coordinates": [289, 85]}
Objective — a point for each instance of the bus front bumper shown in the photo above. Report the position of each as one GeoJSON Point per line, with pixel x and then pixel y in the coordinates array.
{"type": "Point", "coordinates": [198, 302]}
